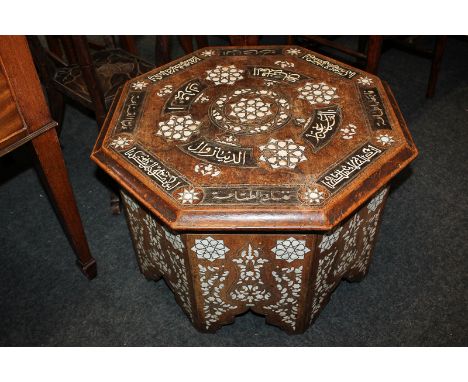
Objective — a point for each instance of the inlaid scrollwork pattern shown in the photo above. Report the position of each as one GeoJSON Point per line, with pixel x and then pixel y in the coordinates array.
{"type": "Point", "coordinates": [346, 250]}
{"type": "Point", "coordinates": [159, 252]}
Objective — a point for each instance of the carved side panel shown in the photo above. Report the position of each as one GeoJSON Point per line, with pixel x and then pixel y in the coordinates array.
{"type": "Point", "coordinates": [160, 253]}
{"type": "Point", "coordinates": [346, 251]}
{"type": "Point", "coordinates": [286, 277]}
{"type": "Point", "coordinates": [265, 273]}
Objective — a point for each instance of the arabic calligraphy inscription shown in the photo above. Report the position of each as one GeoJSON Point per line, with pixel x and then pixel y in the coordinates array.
{"type": "Point", "coordinates": [215, 152]}
{"type": "Point", "coordinates": [324, 125]}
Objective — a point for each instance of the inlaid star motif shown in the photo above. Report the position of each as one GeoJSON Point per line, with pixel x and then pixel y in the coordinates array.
{"type": "Point", "coordinates": [365, 81]}
{"type": "Point", "coordinates": [314, 196]}
{"type": "Point", "coordinates": [121, 142]}
{"type": "Point", "coordinates": [385, 139]}
{"type": "Point", "coordinates": [293, 51]}
{"type": "Point", "coordinates": [139, 85]}
{"type": "Point", "coordinates": [208, 53]}
{"type": "Point", "coordinates": [188, 196]}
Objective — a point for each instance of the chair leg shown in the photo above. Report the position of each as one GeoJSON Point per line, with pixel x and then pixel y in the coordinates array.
{"type": "Point", "coordinates": [162, 50]}
{"type": "Point", "coordinates": [129, 44]}
{"type": "Point", "coordinates": [56, 106]}
{"type": "Point", "coordinates": [244, 40]}
{"type": "Point", "coordinates": [51, 167]}
{"type": "Point", "coordinates": [186, 42]}
{"type": "Point", "coordinates": [362, 43]}
{"type": "Point", "coordinates": [202, 41]}
{"type": "Point", "coordinates": [374, 49]}
{"type": "Point", "coordinates": [441, 42]}
{"type": "Point", "coordinates": [53, 42]}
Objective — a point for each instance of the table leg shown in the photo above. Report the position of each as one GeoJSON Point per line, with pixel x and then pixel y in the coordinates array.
{"type": "Point", "coordinates": [51, 167]}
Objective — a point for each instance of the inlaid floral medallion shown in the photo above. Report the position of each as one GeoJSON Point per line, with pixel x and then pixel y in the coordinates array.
{"type": "Point", "coordinates": [178, 128]}
{"type": "Point", "coordinates": [282, 154]}
{"type": "Point", "coordinates": [249, 111]}
{"type": "Point", "coordinates": [222, 75]}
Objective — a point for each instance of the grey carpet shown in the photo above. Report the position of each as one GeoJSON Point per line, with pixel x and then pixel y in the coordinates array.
{"type": "Point", "coordinates": [414, 295]}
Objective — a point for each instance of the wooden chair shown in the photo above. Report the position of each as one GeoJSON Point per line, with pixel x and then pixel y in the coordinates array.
{"type": "Point", "coordinates": [370, 48]}
{"type": "Point", "coordinates": [25, 117]}
{"type": "Point", "coordinates": [90, 77]}
{"type": "Point", "coordinates": [367, 55]}
{"type": "Point", "coordinates": [410, 44]}
{"type": "Point", "coordinates": [186, 42]}
{"type": "Point", "coordinates": [163, 46]}
{"type": "Point", "coordinates": [244, 40]}
{"type": "Point", "coordinates": [86, 73]}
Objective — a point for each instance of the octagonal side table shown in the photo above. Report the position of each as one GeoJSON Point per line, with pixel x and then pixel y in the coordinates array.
{"type": "Point", "coordinates": [254, 178]}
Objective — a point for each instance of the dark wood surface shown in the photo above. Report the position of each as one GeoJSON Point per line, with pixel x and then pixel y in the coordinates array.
{"type": "Point", "coordinates": [24, 116]}
{"type": "Point", "coordinates": [321, 139]}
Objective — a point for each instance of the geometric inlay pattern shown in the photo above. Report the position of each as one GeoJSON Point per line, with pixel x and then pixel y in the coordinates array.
{"type": "Point", "coordinates": [290, 249]}
{"type": "Point", "coordinates": [188, 196]}
{"type": "Point", "coordinates": [250, 111]}
{"type": "Point", "coordinates": [121, 142]}
{"type": "Point", "coordinates": [178, 128]}
{"type": "Point", "coordinates": [317, 93]}
{"type": "Point", "coordinates": [282, 154]}
{"type": "Point", "coordinates": [210, 249]}
{"type": "Point", "coordinates": [385, 139]}
{"type": "Point", "coordinates": [222, 75]}
{"type": "Point", "coordinates": [313, 196]}
{"type": "Point", "coordinates": [365, 81]}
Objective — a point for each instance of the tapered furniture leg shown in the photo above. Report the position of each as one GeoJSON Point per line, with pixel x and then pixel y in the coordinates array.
{"type": "Point", "coordinates": [186, 42]}
{"type": "Point", "coordinates": [244, 40]}
{"type": "Point", "coordinates": [162, 50]}
{"type": "Point", "coordinates": [54, 173]}
{"type": "Point", "coordinates": [435, 67]}
{"type": "Point", "coordinates": [129, 44]}
{"type": "Point", "coordinates": [202, 41]}
{"type": "Point", "coordinates": [56, 106]}
{"type": "Point", "coordinates": [374, 50]}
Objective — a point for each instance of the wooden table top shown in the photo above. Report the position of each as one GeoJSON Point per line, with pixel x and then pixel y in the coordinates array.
{"type": "Point", "coordinates": [270, 137]}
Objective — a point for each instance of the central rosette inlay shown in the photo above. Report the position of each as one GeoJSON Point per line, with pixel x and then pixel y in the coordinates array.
{"type": "Point", "coordinates": [250, 111]}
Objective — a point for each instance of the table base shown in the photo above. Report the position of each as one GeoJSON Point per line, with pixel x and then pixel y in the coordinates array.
{"type": "Point", "coordinates": [286, 276]}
